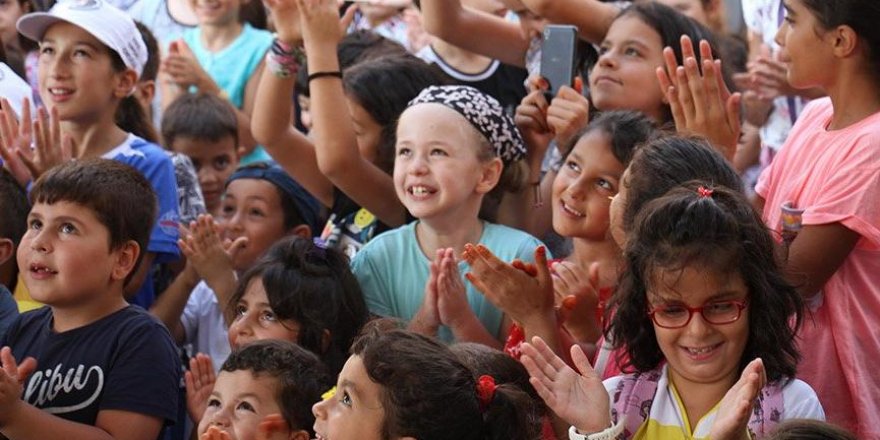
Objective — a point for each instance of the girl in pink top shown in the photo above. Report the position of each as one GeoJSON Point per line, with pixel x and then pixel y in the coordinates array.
{"type": "Point", "coordinates": [828, 175]}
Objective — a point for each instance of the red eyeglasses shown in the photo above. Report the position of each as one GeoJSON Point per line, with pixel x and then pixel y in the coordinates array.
{"type": "Point", "coordinates": [679, 315]}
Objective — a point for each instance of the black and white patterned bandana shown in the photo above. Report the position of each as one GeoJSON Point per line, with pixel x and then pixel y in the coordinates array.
{"type": "Point", "coordinates": [484, 112]}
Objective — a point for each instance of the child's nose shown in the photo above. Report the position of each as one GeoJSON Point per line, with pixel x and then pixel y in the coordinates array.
{"type": "Point", "coordinates": [319, 410]}
{"type": "Point", "coordinates": [699, 325]}
{"type": "Point", "coordinates": [40, 242]}
{"type": "Point", "coordinates": [220, 418]}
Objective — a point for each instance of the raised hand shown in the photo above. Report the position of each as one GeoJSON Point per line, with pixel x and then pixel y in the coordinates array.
{"type": "Point", "coordinates": [452, 301]}
{"type": "Point", "coordinates": [12, 378]}
{"type": "Point", "coordinates": [182, 68]}
{"type": "Point", "coordinates": [701, 103]}
{"type": "Point", "coordinates": [285, 16]}
{"type": "Point", "coordinates": [272, 427]}
{"type": "Point", "coordinates": [427, 318]}
{"type": "Point", "coordinates": [199, 382]}
{"type": "Point", "coordinates": [579, 399]}
{"type": "Point", "coordinates": [569, 112]}
{"type": "Point", "coordinates": [736, 407]}
{"type": "Point", "coordinates": [524, 292]}
{"type": "Point", "coordinates": [214, 433]}
{"type": "Point", "coordinates": [320, 23]}
{"type": "Point", "coordinates": [531, 119]}
{"type": "Point", "coordinates": [38, 145]}
{"type": "Point", "coordinates": [578, 292]}
{"type": "Point", "coordinates": [210, 256]}
{"type": "Point", "coordinates": [15, 137]}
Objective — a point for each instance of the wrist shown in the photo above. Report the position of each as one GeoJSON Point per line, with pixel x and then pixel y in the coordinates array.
{"type": "Point", "coordinates": [610, 432]}
{"type": "Point", "coordinates": [11, 413]}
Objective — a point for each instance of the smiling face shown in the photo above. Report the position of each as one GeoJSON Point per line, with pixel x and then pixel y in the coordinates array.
{"type": "Point", "coordinates": [700, 352]}
{"type": "Point", "coordinates": [65, 256]}
{"type": "Point", "coordinates": [255, 320]}
{"type": "Point", "coordinates": [624, 77]}
{"type": "Point", "coordinates": [437, 171]}
{"type": "Point", "coordinates": [355, 411]}
{"type": "Point", "coordinates": [252, 208]}
{"type": "Point", "coordinates": [239, 402]}
{"type": "Point", "coordinates": [589, 176]}
{"type": "Point", "coordinates": [76, 74]}
{"type": "Point", "coordinates": [217, 12]}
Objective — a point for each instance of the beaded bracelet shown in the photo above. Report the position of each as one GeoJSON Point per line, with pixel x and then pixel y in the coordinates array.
{"type": "Point", "coordinates": [284, 60]}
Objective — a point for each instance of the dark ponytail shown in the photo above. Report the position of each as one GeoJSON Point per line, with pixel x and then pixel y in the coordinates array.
{"type": "Point", "coordinates": [130, 117]}
{"type": "Point", "coordinates": [512, 414]}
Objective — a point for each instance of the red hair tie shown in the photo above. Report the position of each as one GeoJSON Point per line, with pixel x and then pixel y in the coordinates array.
{"type": "Point", "coordinates": [704, 192]}
{"type": "Point", "coordinates": [485, 391]}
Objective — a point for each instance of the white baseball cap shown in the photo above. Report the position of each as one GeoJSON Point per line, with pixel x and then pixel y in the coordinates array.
{"type": "Point", "coordinates": [108, 24]}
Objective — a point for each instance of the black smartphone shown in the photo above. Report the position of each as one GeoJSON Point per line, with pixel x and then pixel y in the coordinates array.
{"type": "Point", "coordinates": [558, 57]}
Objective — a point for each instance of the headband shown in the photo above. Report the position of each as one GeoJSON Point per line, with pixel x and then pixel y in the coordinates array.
{"type": "Point", "coordinates": [307, 206]}
{"type": "Point", "coordinates": [484, 112]}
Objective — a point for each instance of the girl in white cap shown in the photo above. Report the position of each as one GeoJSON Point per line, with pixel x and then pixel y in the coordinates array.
{"type": "Point", "coordinates": [90, 57]}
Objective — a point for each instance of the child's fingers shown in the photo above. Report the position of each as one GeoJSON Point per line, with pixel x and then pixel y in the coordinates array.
{"type": "Point", "coordinates": [271, 424]}
{"type": "Point", "coordinates": [706, 51]}
{"type": "Point", "coordinates": [671, 65]}
{"type": "Point", "coordinates": [698, 91]}
{"type": "Point", "coordinates": [581, 361]}
{"type": "Point", "coordinates": [8, 362]}
{"type": "Point", "coordinates": [683, 92]}
{"type": "Point", "coordinates": [687, 48]}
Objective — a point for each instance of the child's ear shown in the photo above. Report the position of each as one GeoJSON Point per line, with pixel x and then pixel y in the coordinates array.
{"type": "Point", "coordinates": [299, 435]}
{"type": "Point", "coordinates": [127, 257]}
{"type": "Point", "coordinates": [146, 90]}
{"type": "Point", "coordinates": [303, 231]}
{"type": "Point", "coordinates": [491, 174]}
{"type": "Point", "coordinates": [127, 84]}
{"type": "Point", "coordinates": [7, 250]}
{"type": "Point", "coordinates": [845, 41]}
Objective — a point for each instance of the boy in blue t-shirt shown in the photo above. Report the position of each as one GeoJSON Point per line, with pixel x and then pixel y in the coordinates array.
{"type": "Point", "coordinates": [14, 206]}
{"type": "Point", "coordinates": [91, 365]}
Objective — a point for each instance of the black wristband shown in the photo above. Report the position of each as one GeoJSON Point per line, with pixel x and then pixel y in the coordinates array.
{"type": "Point", "coordinates": [316, 75]}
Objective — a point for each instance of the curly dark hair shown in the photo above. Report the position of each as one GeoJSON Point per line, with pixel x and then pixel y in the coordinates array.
{"type": "Point", "coordinates": [626, 129]}
{"type": "Point", "coordinates": [301, 377]}
{"type": "Point", "coordinates": [313, 286]}
{"type": "Point", "coordinates": [722, 234]}
{"type": "Point", "coordinates": [668, 161]}
{"type": "Point", "coordinates": [429, 394]}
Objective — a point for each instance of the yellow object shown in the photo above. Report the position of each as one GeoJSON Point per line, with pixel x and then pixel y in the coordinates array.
{"type": "Point", "coordinates": [329, 394]}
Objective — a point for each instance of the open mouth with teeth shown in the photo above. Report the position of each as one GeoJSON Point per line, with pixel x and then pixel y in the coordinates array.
{"type": "Point", "coordinates": [702, 352]}
{"type": "Point", "coordinates": [420, 190]}
{"type": "Point", "coordinates": [39, 269]}
{"type": "Point", "coordinates": [572, 211]}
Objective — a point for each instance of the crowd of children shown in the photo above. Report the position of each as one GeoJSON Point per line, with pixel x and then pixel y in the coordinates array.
{"type": "Point", "coordinates": [309, 219]}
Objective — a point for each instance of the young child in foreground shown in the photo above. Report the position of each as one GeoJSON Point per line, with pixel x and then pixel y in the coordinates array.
{"type": "Point", "coordinates": [107, 370]}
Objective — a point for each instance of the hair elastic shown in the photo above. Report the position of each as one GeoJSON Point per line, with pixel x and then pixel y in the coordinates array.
{"type": "Point", "coordinates": [485, 391]}
{"type": "Point", "coordinates": [333, 74]}
{"type": "Point", "coordinates": [704, 192]}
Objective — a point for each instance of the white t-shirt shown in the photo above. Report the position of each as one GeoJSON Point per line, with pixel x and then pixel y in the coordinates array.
{"type": "Point", "coordinates": [204, 325]}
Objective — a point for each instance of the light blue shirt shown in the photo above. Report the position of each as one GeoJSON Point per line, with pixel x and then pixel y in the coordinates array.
{"type": "Point", "coordinates": [392, 271]}
{"type": "Point", "coordinates": [233, 66]}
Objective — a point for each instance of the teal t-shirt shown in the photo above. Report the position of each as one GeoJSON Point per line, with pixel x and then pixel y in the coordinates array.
{"type": "Point", "coordinates": [392, 271]}
{"type": "Point", "coordinates": [232, 67]}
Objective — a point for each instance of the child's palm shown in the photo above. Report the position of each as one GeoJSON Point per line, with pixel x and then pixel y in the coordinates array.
{"type": "Point", "coordinates": [199, 382]}
{"type": "Point", "coordinates": [580, 399]}
{"type": "Point", "coordinates": [736, 406]}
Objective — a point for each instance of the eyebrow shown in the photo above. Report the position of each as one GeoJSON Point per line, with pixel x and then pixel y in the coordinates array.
{"type": "Point", "coordinates": [722, 295]}
{"type": "Point", "coordinates": [788, 9]}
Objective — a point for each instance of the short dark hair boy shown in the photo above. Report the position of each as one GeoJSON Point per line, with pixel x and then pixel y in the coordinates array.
{"type": "Point", "coordinates": [298, 378]}
{"type": "Point", "coordinates": [88, 228]}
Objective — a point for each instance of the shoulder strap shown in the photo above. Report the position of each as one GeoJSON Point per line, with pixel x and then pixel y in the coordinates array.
{"type": "Point", "coordinates": [633, 398]}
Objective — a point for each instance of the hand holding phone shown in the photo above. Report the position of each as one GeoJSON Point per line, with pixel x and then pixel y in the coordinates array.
{"type": "Point", "coordinates": [558, 56]}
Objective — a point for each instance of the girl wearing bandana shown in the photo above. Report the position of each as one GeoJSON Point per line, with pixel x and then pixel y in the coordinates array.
{"type": "Point", "coordinates": [455, 145]}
